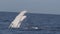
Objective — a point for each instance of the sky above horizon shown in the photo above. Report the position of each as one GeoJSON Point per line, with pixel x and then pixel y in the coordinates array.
{"type": "Point", "coordinates": [33, 6]}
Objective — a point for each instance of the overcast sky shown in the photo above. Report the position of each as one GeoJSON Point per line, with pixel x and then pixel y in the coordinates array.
{"type": "Point", "coordinates": [35, 6]}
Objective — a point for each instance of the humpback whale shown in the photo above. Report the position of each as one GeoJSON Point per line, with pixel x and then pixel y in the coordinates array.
{"type": "Point", "coordinates": [16, 23]}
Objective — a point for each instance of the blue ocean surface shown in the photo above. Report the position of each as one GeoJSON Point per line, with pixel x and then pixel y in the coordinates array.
{"type": "Point", "coordinates": [47, 23]}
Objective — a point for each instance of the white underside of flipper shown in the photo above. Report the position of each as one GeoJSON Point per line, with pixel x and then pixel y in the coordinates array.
{"type": "Point", "coordinates": [16, 23]}
{"type": "Point", "coordinates": [21, 21]}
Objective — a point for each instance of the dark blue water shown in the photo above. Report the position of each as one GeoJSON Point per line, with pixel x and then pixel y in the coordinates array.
{"type": "Point", "coordinates": [47, 23]}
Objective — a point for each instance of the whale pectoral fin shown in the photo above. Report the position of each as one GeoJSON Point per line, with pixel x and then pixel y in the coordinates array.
{"type": "Point", "coordinates": [18, 20]}
{"type": "Point", "coordinates": [23, 18]}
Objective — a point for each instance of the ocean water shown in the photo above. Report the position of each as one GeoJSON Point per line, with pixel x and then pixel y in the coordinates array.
{"type": "Point", "coordinates": [47, 23]}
